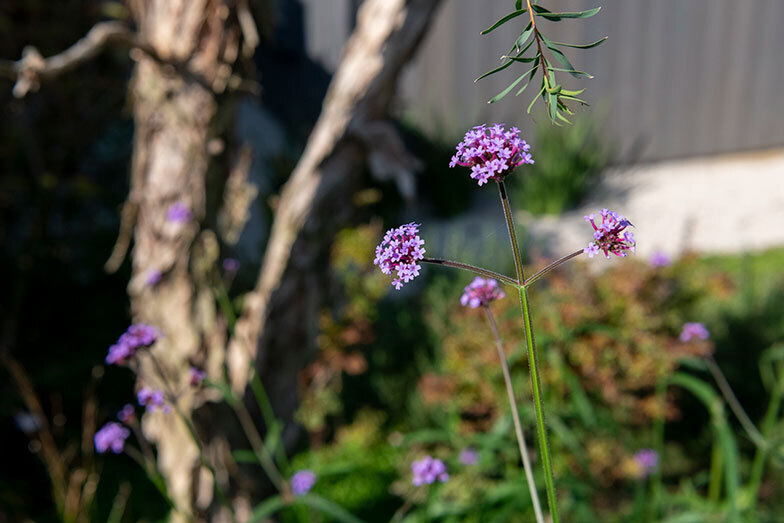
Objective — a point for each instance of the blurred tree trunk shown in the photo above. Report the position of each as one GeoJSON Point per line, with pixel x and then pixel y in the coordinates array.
{"type": "Point", "coordinates": [174, 103]}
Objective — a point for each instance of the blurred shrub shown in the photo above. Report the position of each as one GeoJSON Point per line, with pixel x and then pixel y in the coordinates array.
{"type": "Point", "coordinates": [568, 162]}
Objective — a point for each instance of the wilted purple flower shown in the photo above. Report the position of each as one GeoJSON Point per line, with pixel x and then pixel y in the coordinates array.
{"type": "Point", "coordinates": [647, 460]}
{"type": "Point", "coordinates": [302, 481]}
{"type": "Point", "coordinates": [112, 437]}
{"type": "Point", "coordinates": [491, 152]}
{"type": "Point", "coordinates": [179, 213]}
{"type": "Point", "coordinates": [399, 251]}
{"type": "Point", "coordinates": [152, 277]}
{"type": "Point", "coordinates": [480, 292]}
{"type": "Point", "coordinates": [152, 399]}
{"type": "Point", "coordinates": [231, 265]}
{"type": "Point", "coordinates": [609, 235]}
{"type": "Point", "coordinates": [197, 376]}
{"type": "Point", "coordinates": [468, 456]}
{"type": "Point", "coordinates": [427, 470]}
{"type": "Point", "coordinates": [694, 330]}
{"type": "Point", "coordinates": [137, 336]}
{"type": "Point", "coordinates": [127, 413]}
{"type": "Point", "coordinates": [659, 259]}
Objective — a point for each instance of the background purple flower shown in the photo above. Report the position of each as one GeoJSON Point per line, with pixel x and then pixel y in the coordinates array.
{"type": "Point", "coordinates": [647, 460]}
{"type": "Point", "coordinates": [302, 481]}
{"type": "Point", "coordinates": [112, 437]}
{"type": "Point", "coordinates": [659, 259]}
{"type": "Point", "coordinates": [400, 250]}
{"type": "Point", "coordinates": [468, 456]}
{"type": "Point", "coordinates": [231, 265]}
{"type": "Point", "coordinates": [491, 152]}
{"type": "Point", "coordinates": [152, 399]}
{"type": "Point", "coordinates": [197, 376]}
{"type": "Point", "coordinates": [152, 277]}
{"type": "Point", "coordinates": [694, 330]}
{"type": "Point", "coordinates": [427, 470]}
{"type": "Point", "coordinates": [480, 292]}
{"type": "Point", "coordinates": [137, 336]}
{"type": "Point", "coordinates": [609, 235]}
{"type": "Point", "coordinates": [127, 413]}
{"type": "Point", "coordinates": [179, 213]}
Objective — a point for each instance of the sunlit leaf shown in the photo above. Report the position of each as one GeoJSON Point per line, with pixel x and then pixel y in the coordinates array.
{"type": "Point", "coordinates": [510, 87]}
{"type": "Point", "coordinates": [503, 20]}
{"type": "Point", "coordinates": [582, 46]}
{"type": "Point", "coordinates": [524, 36]}
{"type": "Point", "coordinates": [544, 13]}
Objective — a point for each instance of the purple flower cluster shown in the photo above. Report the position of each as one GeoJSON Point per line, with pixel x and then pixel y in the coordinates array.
{"type": "Point", "coordinates": [127, 413]}
{"type": "Point", "coordinates": [480, 292]}
{"type": "Point", "coordinates": [659, 259]}
{"type": "Point", "coordinates": [302, 481]}
{"type": "Point", "coordinates": [112, 437]}
{"type": "Point", "coordinates": [468, 456]}
{"type": "Point", "coordinates": [152, 399]}
{"type": "Point", "coordinates": [694, 330]}
{"type": "Point", "coordinates": [427, 470]}
{"type": "Point", "coordinates": [197, 376]}
{"type": "Point", "coordinates": [491, 152]}
{"type": "Point", "coordinates": [179, 213]}
{"type": "Point", "coordinates": [609, 235]}
{"type": "Point", "coordinates": [399, 251]}
{"type": "Point", "coordinates": [647, 460]}
{"type": "Point", "coordinates": [138, 336]}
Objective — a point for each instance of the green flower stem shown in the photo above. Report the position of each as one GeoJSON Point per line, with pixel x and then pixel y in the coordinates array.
{"type": "Point", "coordinates": [716, 468]}
{"type": "Point", "coordinates": [154, 477]}
{"type": "Point", "coordinates": [552, 266]}
{"type": "Point", "coordinates": [758, 465]}
{"type": "Point", "coordinates": [471, 268]}
{"type": "Point", "coordinates": [515, 416]}
{"type": "Point", "coordinates": [544, 447]}
{"type": "Point", "coordinates": [732, 401]}
{"type": "Point", "coordinates": [658, 446]}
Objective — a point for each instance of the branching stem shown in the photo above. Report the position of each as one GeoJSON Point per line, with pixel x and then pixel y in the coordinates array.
{"type": "Point", "coordinates": [478, 270]}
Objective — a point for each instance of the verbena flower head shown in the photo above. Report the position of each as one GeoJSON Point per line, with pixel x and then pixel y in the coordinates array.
{"type": "Point", "coordinates": [647, 460]}
{"type": "Point", "coordinates": [302, 481]}
{"type": "Point", "coordinates": [197, 376]}
{"type": "Point", "coordinates": [137, 336]}
{"type": "Point", "coordinates": [480, 292]}
{"type": "Point", "coordinates": [152, 277]}
{"type": "Point", "coordinates": [610, 235]}
{"type": "Point", "coordinates": [179, 213]}
{"type": "Point", "coordinates": [694, 330]}
{"type": "Point", "coordinates": [127, 413]}
{"type": "Point", "coordinates": [659, 259]}
{"type": "Point", "coordinates": [399, 251]}
{"type": "Point", "coordinates": [427, 470]}
{"type": "Point", "coordinates": [152, 399]}
{"type": "Point", "coordinates": [491, 152]}
{"type": "Point", "coordinates": [468, 456]}
{"type": "Point", "coordinates": [112, 437]}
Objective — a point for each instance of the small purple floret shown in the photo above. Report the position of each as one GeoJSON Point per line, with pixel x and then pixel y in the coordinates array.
{"type": "Point", "coordinates": [127, 413]}
{"type": "Point", "coordinates": [231, 265]}
{"type": "Point", "coordinates": [609, 235]}
{"type": "Point", "coordinates": [153, 277]}
{"type": "Point", "coordinates": [138, 336]}
{"type": "Point", "coordinates": [491, 152]}
{"type": "Point", "coordinates": [302, 481]}
{"type": "Point", "coordinates": [659, 259]}
{"type": "Point", "coordinates": [197, 376]}
{"type": "Point", "coordinates": [400, 250]}
{"type": "Point", "coordinates": [427, 470]}
{"type": "Point", "coordinates": [468, 456]}
{"type": "Point", "coordinates": [179, 213]}
{"type": "Point", "coordinates": [152, 399]}
{"type": "Point", "coordinates": [112, 437]}
{"type": "Point", "coordinates": [694, 330]}
{"type": "Point", "coordinates": [480, 292]}
{"type": "Point", "coordinates": [647, 460]}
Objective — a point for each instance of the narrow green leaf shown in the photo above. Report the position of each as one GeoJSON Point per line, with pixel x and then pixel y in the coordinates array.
{"type": "Point", "coordinates": [528, 111]}
{"type": "Point", "coordinates": [558, 54]}
{"type": "Point", "coordinates": [555, 17]}
{"type": "Point", "coordinates": [567, 97]}
{"type": "Point", "coordinates": [563, 118]}
{"type": "Point", "coordinates": [524, 36]}
{"type": "Point", "coordinates": [267, 508]}
{"type": "Point", "coordinates": [327, 507]}
{"type": "Point", "coordinates": [509, 88]}
{"type": "Point", "coordinates": [572, 72]}
{"type": "Point", "coordinates": [582, 46]}
{"type": "Point", "coordinates": [552, 97]}
{"type": "Point", "coordinates": [503, 20]}
{"type": "Point", "coordinates": [521, 59]}
{"type": "Point", "coordinates": [244, 456]}
{"type": "Point", "coordinates": [571, 93]}
{"type": "Point", "coordinates": [518, 4]}
{"type": "Point", "coordinates": [530, 77]}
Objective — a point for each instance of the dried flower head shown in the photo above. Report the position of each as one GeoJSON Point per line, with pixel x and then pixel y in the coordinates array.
{"type": "Point", "coordinates": [138, 336]}
{"type": "Point", "coordinates": [609, 235]}
{"type": "Point", "coordinates": [152, 399]}
{"type": "Point", "coordinates": [647, 461]}
{"type": "Point", "coordinates": [400, 250]}
{"type": "Point", "coordinates": [694, 330]}
{"type": "Point", "coordinates": [197, 376]}
{"type": "Point", "coordinates": [427, 470]}
{"type": "Point", "coordinates": [480, 292]}
{"type": "Point", "coordinates": [112, 437]}
{"type": "Point", "coordinates": [491, 152]}
{"type": "Point", "coordinates": [302, 481]}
